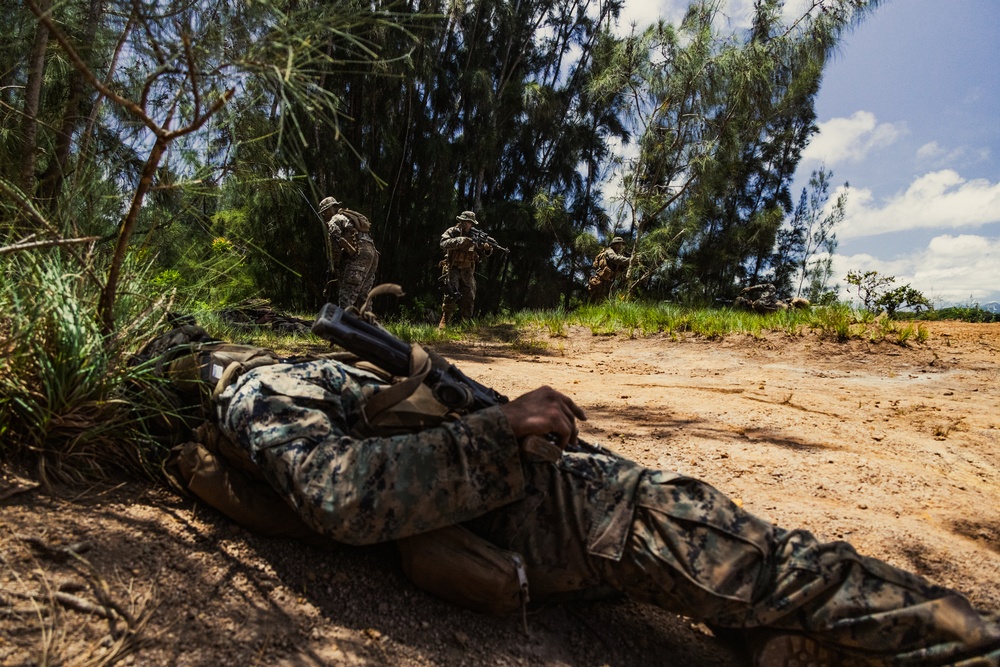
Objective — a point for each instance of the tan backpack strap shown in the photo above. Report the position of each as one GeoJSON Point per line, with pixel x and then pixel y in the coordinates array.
{"type": "Point", "coordinates": [391, 395]}
{"type": "Point", "coordinates": [239, 366]}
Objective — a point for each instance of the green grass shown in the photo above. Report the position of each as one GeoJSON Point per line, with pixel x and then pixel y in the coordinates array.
{"type": "Point", "coordinates": [839, 322]}
{"type": "Point", "coordinates": [72, 405]}
{"type": "Point", "coordinates": [63, 386]}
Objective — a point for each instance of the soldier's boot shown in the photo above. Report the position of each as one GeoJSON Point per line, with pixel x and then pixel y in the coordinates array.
{"type": "Point", "coordinates": [447, 315]}
{"type": "Point", "coordinates": [794, 650]}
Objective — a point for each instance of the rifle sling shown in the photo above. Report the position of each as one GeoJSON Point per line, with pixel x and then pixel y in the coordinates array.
{"type": "Point", "coordinates": [393, 394]}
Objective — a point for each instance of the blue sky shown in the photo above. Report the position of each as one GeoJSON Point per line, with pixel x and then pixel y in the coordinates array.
{"type": "Point", "coordinates": [909, 116]}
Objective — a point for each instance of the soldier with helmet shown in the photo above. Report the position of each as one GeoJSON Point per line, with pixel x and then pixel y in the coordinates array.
{"type": "Point", "coordinates": [609, 265]}
{"type": "Point", "coordinates": [352, 250]}
{"type": "Point", "coordinates": [462, 253]}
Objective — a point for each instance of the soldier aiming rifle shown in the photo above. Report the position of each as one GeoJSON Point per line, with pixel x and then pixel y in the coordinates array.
{"type": "Point", "coordinates": [464, 246]}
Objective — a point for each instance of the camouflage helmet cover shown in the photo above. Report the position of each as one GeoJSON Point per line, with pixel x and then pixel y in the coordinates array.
{"type": "Point", "coordinates": [468, 216]}
{"type": "Point", "coordinates": [328, 203]}
{"type": "Point", "coordinates": [617, 239]}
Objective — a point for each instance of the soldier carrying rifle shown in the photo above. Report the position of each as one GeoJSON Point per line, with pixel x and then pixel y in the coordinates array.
{"type": "Point", "coordinates": [609, 266]}
{"type": "Point", "coordinates": [352, 249]}
{"type": "Point", "coordinates": [463, 246]}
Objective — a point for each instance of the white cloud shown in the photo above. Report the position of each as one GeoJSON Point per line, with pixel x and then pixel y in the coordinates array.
{"type": "Point", "coordinates": [937, 200]}
{"type": "Point", "coordinates": [950, 270]}
{"type": "Point", "coordinates": [734, 14]}
{"type": "Point", "coordinates": [647, 12]}
{"type": "Point", "coordinates": [929, 151]}
{"type": "Point", "coordinates": [850, 139]}
{"type": "Point", "coordinates": [934, 154]}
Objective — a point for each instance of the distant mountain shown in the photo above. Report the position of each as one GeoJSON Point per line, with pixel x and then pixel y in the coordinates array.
{"type": "Point", "coordinates": [992, 306]}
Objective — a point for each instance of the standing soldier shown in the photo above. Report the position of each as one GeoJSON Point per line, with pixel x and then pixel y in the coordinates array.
{"type": "Point", "coordinates": [353, 249]}
{"type": "Point", "coordinates": [461, 254]}
{"type": "Point", "coordinates": [609, 265]}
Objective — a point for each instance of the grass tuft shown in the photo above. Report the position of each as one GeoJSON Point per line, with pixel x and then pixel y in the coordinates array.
{"type": "Point", "coordinates": [63, 398]}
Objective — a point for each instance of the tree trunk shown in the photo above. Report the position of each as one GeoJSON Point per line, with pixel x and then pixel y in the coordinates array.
{"type": "Point", "coordinates": [106, 306]}
{"type": "Point", "coordinates": [55, 172]}
{"type": "Point", "coordinates": [32, 97]}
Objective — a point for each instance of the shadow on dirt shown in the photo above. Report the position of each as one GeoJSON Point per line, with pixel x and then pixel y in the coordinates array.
{"type": "Point", "coordinates": [986, 533]}
{"type": "Point", "coordinates": [662, 424]}
{"type": "Point", "coordinates": [225, 596]}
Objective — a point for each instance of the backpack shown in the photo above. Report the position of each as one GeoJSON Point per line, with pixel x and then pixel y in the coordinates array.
{"type": "Point", "coordinates": [451, 562]}
{"type": "Point", "coordinates": [602, 272]}
{"type": "Point", "coordinates": [188, 369]}
{"type": "Point", "coordinates": [360, 221]}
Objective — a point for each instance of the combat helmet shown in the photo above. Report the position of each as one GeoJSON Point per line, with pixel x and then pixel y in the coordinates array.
{"type": "Point", "coordinates": [468, 216]}
{"type": "Point", "coordinates": [617, 239]}
{"type": "Point", "coordinates": [328, 203]}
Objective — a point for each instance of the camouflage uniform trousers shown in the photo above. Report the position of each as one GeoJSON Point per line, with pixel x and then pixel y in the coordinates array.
{"type": "Point", "coordinates": [591, 521]}
{"type": "Point", "coordinates": [357, 276]}
{"type": "Point", "coordinates": [690, 550]}
{"type": "Point", "coordinates": [599, 290]}
{"type": "Point", "coordinates": [462, 280]}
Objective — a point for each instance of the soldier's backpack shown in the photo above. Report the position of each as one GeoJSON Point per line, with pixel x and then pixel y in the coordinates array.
{"type": "Point", "coordinates": [360, 221]}
{"type": "Point", "coordinates": [602, 272]}
{"type": "Point", "coordinates": [451, 562]}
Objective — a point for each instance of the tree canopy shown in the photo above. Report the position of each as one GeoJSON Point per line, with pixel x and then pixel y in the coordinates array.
{"type": "Point", "coordinates": [193, 139]}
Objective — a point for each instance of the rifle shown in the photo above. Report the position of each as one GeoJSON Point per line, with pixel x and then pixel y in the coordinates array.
{"type": "Point", "coordinates": [451, 386]}
{"type": "Point", "coordinates": [481, 237]}
{"type": "Point", "coordinates": [447, 288]}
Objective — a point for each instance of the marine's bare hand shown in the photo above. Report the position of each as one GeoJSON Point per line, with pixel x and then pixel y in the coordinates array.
{"type": "Point", "coordinates": [544, 412]}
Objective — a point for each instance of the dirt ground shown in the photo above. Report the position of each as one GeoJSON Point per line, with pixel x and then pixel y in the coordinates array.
{"type": "Point", "coordinates": [895, 449]}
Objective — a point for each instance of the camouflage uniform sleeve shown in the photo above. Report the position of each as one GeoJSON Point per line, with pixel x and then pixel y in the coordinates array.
{"type": "Point", "coordinates": [335, 226]}
{"type": "Point", "coordinates": [452, 239]}
{"type": "Point", "coordinates": [616, 259]}
{"type": "Point", "coordinates": [295, 421]}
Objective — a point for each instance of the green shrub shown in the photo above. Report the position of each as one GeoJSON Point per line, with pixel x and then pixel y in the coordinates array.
{"type": "Point", "coordinates": [63, 402]}
{"type": "Point", "coordinates": [966, 313]}
{"type": "Point", "coordinates": [878, 295]}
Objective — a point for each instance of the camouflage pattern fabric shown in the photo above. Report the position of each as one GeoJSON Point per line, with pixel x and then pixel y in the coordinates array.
{"type": "Point", "coordinates": [461, 282]}
{"type": "Point", "coordinates": [296, 420]}
{"type": "Point", "coordinates": [761, 298]}
{"type": "Point", "coordinates": [357, 272]}
{"type": "Point", "coordinates": [608, 267]}
{"type": "Point", "coordinates": [358, 276]}
{"type": "Point", "coordinates": [592, 521]}
{"type": "Point", "coordinates": [462, 255]}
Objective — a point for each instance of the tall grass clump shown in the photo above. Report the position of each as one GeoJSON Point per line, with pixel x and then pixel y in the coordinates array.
{"type": "Point", "coordinates": [714, 323]}
{"type": "Point", "coordinates": [835, 320]}
{"type": "Point", "coordinates": [616, 316]}
{"type": "Point", "coordinates": [63, 400]}
{"type": "Point", "coordinates": [419, 332]}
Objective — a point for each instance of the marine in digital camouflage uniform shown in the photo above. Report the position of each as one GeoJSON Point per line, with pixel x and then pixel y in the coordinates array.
{"type": "Point", "coordinates": [353, 249]}
{"type": "Point", "coordinates": [609, 265]}
{"type": "Point", "coordinates": [591, 520]}
{"type": "Point", "coordinates": [462, 254]}
{"type": "Point", "coordinates": [761, 298]}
